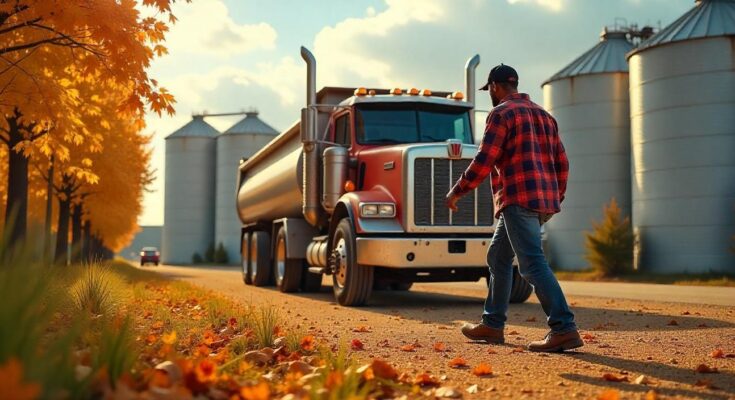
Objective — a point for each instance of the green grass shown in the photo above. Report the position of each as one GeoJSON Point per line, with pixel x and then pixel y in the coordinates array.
{"type": "Point", "coordinates": [709, 279]}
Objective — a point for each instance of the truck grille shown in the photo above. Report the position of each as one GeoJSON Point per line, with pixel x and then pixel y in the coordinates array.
{"type": "Point", "coordinates": [433, 177]}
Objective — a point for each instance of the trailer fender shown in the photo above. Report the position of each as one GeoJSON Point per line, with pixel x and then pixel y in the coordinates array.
{"type": "Point", "coordinates": [299, 234]}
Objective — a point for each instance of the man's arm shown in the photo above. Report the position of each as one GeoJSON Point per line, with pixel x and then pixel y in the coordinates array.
{"type": "Point", "coordinates": [561, 165]}
{"type": "Point", "coordinates": [490, 150]}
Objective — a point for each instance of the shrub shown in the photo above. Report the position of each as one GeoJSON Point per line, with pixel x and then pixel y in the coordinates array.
{"type": "Point", "coordinates": [610, 244]}
{"type": "Point", "coordinates": [264, 321]}
{"type": "Point", "coordinates": [220, 255]}
{"type": "Point", "coordinates": [196, 258]}
{"type": "Point", "coordinates": [93, 292]}
{"type": "Point", "coordinates": [209, 255]}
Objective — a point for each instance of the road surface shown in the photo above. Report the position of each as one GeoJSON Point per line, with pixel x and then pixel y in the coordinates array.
{"type": "Point", "coordinates": [663, 332]}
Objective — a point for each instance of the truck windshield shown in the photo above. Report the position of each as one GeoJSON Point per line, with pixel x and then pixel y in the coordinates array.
{"type": "Point", "coordinates": [411, 123]}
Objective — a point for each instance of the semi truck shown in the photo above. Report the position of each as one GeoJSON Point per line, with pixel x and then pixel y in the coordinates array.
{"type": "Point", "coordinates": [355, 190]}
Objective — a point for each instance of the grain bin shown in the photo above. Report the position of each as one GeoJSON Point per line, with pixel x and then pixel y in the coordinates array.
{"type": "Point", "coordinates": [589, 99]}
{"type": "Point", "coordinates": [188, 222]}
{"type": "Point", "coordinates": [242, 140]}
{"type": "Point", "coordinates": [682, 110]}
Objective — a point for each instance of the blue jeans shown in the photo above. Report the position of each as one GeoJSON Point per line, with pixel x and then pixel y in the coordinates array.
{"type": "Point", "coordinates": [519, 232]}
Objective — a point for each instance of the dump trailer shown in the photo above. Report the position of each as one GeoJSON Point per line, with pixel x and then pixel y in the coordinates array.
{"type": "Point", "coordinates": [355, 190]}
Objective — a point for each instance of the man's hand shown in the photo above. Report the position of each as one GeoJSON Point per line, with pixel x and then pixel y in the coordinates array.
{"type": "Point", "coordinates": [544, 218]}
{"type": "Point", "coordinates": [451, 201]}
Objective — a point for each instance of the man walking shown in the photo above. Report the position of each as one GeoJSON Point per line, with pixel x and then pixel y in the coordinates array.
{"type": "Point", "coordinates": [522, 152]}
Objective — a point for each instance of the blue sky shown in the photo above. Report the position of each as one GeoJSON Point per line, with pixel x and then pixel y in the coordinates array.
{"type": "Point", "coordinates": [230, 55]}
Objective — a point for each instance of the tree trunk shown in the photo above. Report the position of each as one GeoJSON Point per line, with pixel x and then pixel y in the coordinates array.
{"type": "Point", "coordinates": [87, 241]}
{"type": "Point", "coordinates": [16, 208]}
{"type": "Point", "coordinates": [76, 233]}
{"type": "Point", "coordinates": [49, 213]}
{"type": "Point", "coordinates": [62, 227]}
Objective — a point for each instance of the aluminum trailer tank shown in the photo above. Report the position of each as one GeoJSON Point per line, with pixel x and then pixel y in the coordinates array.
{"type": "Point", "coordinates": [242, 140]}
{"type": "Point", "coordinates": [589, 99]}
{"type": "Point", "coordinates": [682, 93]}
{"type": "Point", "coordinates": [188, 225]}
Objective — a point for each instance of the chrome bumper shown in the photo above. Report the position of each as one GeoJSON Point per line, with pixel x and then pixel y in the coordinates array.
{"type": "Point", "coordinates": [421, 253]}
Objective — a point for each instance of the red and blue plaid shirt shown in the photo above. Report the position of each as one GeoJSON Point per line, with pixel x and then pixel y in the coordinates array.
{"type": "Point", "coordinates": [522, 151]}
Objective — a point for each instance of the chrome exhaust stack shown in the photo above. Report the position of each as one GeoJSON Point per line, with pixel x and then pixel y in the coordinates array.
{"type": "Point", "coordinates": [469, 78]}
{"type": "Point", "coordinates": [310, 185]}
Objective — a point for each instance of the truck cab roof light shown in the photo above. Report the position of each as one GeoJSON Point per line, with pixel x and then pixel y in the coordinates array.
{"type": "Point", "coordinates": [458, 96]}
{"type": "Point", "coordinates": [426, 92]}
{"type": "Point", "coordinates": [361, 91]}
{"type": "Point", "coordinates": [371, 92]}
{"type": "Point", "coordinates": [413, 91]}
{"type": "Point", "coordinates": [396, 91]}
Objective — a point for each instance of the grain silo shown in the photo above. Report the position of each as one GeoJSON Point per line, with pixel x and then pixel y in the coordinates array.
{"type": "Point", "coordinates": [188, 221]}
{"type": "Point", "coordinates": [242, 140]}
{"type": "Point", "coordinates": [589, 99]}
{"type": "Point", "coordinates": [682, 98]}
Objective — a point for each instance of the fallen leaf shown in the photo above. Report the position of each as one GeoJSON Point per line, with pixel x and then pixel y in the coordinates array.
{"type": "Point", "coordinates": [458, 362]}
{"type": "Point", "coordinates": [614, 378]}
{"type": "Point", "coordinates": [705, 383]}
{"type": "Point", "coordinates": [512, 333]}
{"type": "Point", "coordinates": [361, 329]}
{"type": "Point", "coordinates": [642, 380]}
{"type": "Point", "coordinates": [686, 313]}
{"type": "Point", "coordinates": [425, 379]}
{"type": "Point", "coordinates": [588, 336]}
{"type": "Point", "coordinates": [531, 319]}
{"type": "Point", "coordinates": [651, 395]}
{"type": "Point", "coordinates": [169, 338]}
{"type": "Point", "coordinates": [472, 389]}
{"type": "Point", "coordinates": [610, 394]}
{"type": "Point", "coordinates": [482, 369]}
{"type": "Point", "coordinates": [673, 323]}
{"type": "Point", "coordinates": [448, 392]}
{"type": "Point", "coordinates": [491, 351]}
{"type": "Point", "coordinates": [334, 380]}
{"type": "Point", "coordinates": [718, 353]}
{"type": "Point", "coordinates": [307, 343]}
{"type": "Point", "coordinates": [706, 369]}
{"type": "Point", "coordinates": [205, 371]}
{"type": "Point", "coordinates": [12, 382]}
{"type": "Point", "coordinates": [383, 370]}
{"type": "Point", "coordinates": [439, 347]}
{"type": "Point", "coordinates": [261, 391]}
{"type": "Point", "coordinates": [518, 349]}
{"type": "Point", "coordinates": [356, 344]}
{"type": "Point", "coordinates": [408, 347]}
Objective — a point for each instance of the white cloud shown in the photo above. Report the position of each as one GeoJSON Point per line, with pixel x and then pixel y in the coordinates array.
{"type": "Point", "coordinates": [205, 27]}
{"type": "Point", "coordinates": [553, 5]}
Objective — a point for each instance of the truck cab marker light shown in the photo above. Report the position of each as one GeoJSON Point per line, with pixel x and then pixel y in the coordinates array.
{"type": "Point", "coordinates": [371, 92]}
{"type": "Point", "coordinates": [413, 91]}
{"type": "Point", "coordinates": [458, 96]}
{"type": "Point", "coordinates": [349, 186]}
{"type": "Point", "coordinates": [396, 91]}
{"type": "Point", "coordinates": [361, 91]}
{"type": "Point", "coordinates": [426, 92]}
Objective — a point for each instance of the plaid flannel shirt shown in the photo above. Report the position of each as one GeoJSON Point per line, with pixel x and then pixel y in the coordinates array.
{"type": "Point", "coordinates": [522, 151]}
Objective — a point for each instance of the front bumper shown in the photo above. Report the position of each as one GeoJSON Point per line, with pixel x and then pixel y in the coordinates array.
{"type": "Point", "coordinates": [422, 253]}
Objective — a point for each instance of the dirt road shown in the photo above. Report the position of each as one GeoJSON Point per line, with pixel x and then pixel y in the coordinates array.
{"type": "Point", "coordinates": [665, 341]}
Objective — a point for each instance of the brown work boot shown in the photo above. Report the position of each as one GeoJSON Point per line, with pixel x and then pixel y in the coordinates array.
{"type": "Point", "coordinates": [557, 342]}
{"type": "Point", "coordinates": [483, 332]}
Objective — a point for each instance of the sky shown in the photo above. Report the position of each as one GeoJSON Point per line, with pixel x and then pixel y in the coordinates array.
{"type": "Point", "coordinates": [233, 55]}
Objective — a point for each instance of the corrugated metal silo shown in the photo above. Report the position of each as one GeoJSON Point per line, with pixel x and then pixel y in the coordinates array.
{"type": "Point", "coordinates": [682, 88]}
{"type": "Point", "coordinates": [589, 99]}
{"type": "Point", "coordinates": [188, 222]}
{"type": "Point", "coordinates": [242, 140]}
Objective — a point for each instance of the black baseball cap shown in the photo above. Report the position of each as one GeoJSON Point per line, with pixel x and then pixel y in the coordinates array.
{"type": "Point", "coordinates": [501, 73]}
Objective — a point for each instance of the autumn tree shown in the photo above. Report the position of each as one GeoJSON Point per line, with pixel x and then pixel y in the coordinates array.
{"type": "Point", "coordinates": [610, 244]}
{"type": "Point", "coordinates": [46, 48]}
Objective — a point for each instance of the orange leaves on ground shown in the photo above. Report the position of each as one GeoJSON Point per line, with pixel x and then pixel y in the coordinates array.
{"type": "Point", "coordinates": [588, 337]}
{"type": "Point", "coordinates": [334, 380]}
{"type": "Point", "coordinates": [706, 369]}
{"type": "Point", "coordinates": [383, 370]}
{"type": "Point", "coordinates": [356, 344]}
{"type": "Point", "coordinates": [408, 348]}
{"type": "Point", "coordinates": [440, 347]}
{"type": "Point", "coordinates": [425, 379]}
{"type": "Point", "coordinates": [458, 362]}
{"type": "Point", "coordinates": [261, 391]}
{"type": "Point", "coordinates": [482, 369]}
{"type": "Point", "coordinates": [610, 377]}
{"type": "Point", "coordinates": [308, 343]}
{"type": "Point", "coordinates": [169, 338]}
{"type": "Point", "coordinates": [205, 371]}
{"type": "Point", "coordinates": [651, 395]}
{"type": "Point", "coordinates": [491, 351]}
{"type": "Point", "coordinates": [209, 337]}
{"type": "Point", "coordinates": [717, 353]}
{"type": "Point", "coordinates": [11, 382]}
{"type": "Point", "coordinates": [610, 394]}
{"type": "Point", "coordinates": [518, 349]}
{"type": "Point", "coordinates": [361, 329]}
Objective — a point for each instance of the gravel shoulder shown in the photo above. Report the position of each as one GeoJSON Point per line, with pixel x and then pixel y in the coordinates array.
{"type": "Point", "coordinates": [664, 341]}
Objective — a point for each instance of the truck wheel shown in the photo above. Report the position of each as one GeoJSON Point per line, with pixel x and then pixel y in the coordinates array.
{"type": "Point", "coordinates": [245, 257]}
{"type": "Point", "coordinates": [521, 289]}
{"type": "Point", "coordinates": [352, 283]}
{"type": "Point", "coordinates": [311, 282]}
{"type": "Point", "coordinates": [260, 258]}
{"type": "Point", "coordinates": [401, 286]}
{"type": "Point", "coordinates": [287, 272]}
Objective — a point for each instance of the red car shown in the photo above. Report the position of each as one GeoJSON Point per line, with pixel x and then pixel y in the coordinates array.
{"type": "Point", "coordinates": [149, 255]}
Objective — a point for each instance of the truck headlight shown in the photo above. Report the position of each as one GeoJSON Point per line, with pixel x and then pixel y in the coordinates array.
{"type": "Point", "coordinates": [378, 210]}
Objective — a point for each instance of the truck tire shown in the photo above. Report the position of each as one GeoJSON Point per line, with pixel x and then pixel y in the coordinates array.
{"type": "Point", "coordinates": [521, 289]}
{"type": "Point", "coordinates": [311, 282]}
{"type": "Point", "coordinates": [260, 258]}
{"type": "Point", "coordinates": [245, 259]}
{"type": "Point", "coordinates": [352, 283]}
{"type": "Point", "coordinates": [286, 271]}
{"type": "Point", "coordinates": [401, 286]}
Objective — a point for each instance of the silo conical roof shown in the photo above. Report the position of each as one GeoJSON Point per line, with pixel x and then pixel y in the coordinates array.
{"type": "Point", "coordinates": [197, 127]}
{"type": "Point", "coordinates": [708, 18]}
{"type": "Point", "coordinates": [607, 56]}
{"type": "Point", "coordinates": [251, 124]}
